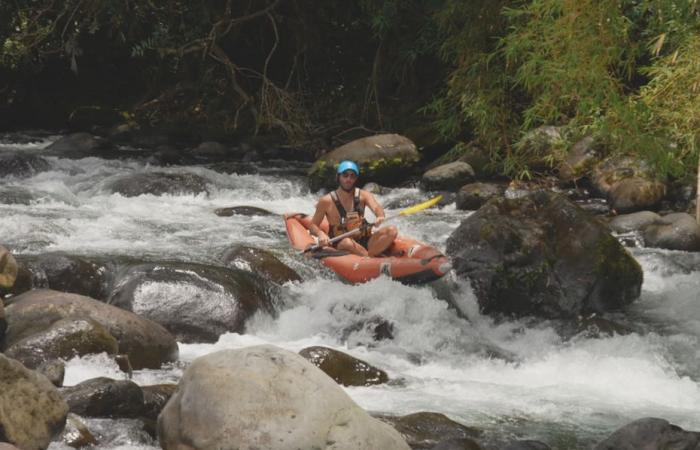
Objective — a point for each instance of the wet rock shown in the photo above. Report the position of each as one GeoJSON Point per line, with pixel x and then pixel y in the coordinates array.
{"type": "Point", "coordinates": [343, 368]}
{"type": "Point", "coordinates": [449, 177]}
{"type": "Point", "coordinates": [539, 143]}
{"type": "Point", "coordinates": [259, 261]}
{"type": "Point", "coordinates": [527, 445]}
{"type": "Point", "coordinates": [158, 183]}
{"type": "Point", "coordinates": [627, 184]}
{"type": "Point", "coordinates": [21, 164]}
{"type": "Point", "coordinates": [6, 446]}
{"type": "Point", "coordinates": [242, 211]}
{"type": "Point", "coordinates": [15, 195]}
{"type": "Point", "coordinates": [385, 158]}
{"type": "Point", "coordinates": [652, 434]}
{"type": "Point", "coordinates": [80, 145]}
{"type": "Point", "coordinates": [542, 255]}
{"type": "Point", "coordinates": [196, 303]}
{"type": "Point", "coordinates": [147, 343]}
{"type": "Point", "coordinates": [677, 231]}
{"type": "Point", "coordinates": [458, 444]}
{"type": "Point", "coordinates": [270, 398]}
{"type": "Point", "coordinates": [54, 370]}
{"type": "Point", "coordinates": [155, 397]}
{"type": "Point", "coordinates": [65, 273]}
{"type": "Point", "coordinates": [105, 397]}
{"type": "Point", "coordinates": [427, 429]}
{"type": "Point", "coordinates": [31, 410]}
{"type": "Point", "coordinates": [375, 188]}
{"type": "Point", "coordinates": [595, 206]}
{"type": "Point", "coordinates": [633, 222]}
{"type": "Point", "coordinates": [8, 268]}
{"type": "Point", "coordinates": [472, 196]}
{"type": "Point", "coordinates": [377, 327]}
{"type": "Point", "coordinates": [64, 339]}
{"type": "Point", "coordinates": [213, 151]}
{"type": "Point", "coordinates": [594, 326]}
{"type": "Point", "coordinates": [580, 160]}
{"type": "Point", "coordinates": [76, 434]}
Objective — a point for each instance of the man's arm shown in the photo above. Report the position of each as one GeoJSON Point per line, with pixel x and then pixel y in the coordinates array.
{"type": "Point", "coordinates": [376, 208]}
{"type": "Point", "coordinates": [321, 208]}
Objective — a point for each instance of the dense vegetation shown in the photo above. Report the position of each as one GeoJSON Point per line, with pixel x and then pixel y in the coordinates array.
{"type": "Point", "coordinates": [462, 72]}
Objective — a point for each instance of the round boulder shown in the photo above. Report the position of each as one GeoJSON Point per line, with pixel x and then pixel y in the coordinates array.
{"type": "Point", "coordinates": [386, 158]}
{"type": "Point", "coordinates": [628, 184]}
{"type": "Point", "coordinates": [650, 433]}
{"type": "Point", "coordinates": [470, 197]}
{"type": "Point", "coordinates": [105, 397]}
{"type": "Point", "coordinates": [197, 303]}
{"type": "Point", "coordinates": [31, 410]}
{"type": "Point", "coordinates": [8, 269]}
{"type": "Point", "coordinates": [632, 222]}
{"type": "Point", "coordinates": [147, 343]}
{"type": "Point", "coordinates": [266, 397]}
{"type": "Point", "coordinates": [677, 231]}
{"type": "Point", "coordinates": [542, 255]}
{"type": "Point", "coordinates": [343, 368]}
{"type": "Point", "coordinates": [449, 177]}
{"type": "Point", "coordinates": [259, 261]}
{"type": "Point", "coordinates": [64, 339]}
{"type": "Point", "coordinates": [158, 183]}
{"type": "Point", "coordinates": [21, 164]}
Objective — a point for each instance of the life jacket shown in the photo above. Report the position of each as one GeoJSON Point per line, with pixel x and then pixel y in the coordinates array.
{"type": "Point", "coordinates": [352, 219]}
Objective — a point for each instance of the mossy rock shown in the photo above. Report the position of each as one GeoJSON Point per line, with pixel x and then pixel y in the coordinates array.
{"type": "Point", "coordinates": [388, 159]}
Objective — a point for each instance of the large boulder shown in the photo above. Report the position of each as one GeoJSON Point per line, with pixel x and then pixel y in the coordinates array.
{"type": "Point", "coordinates": [651, 434]}
{"type": "Point", "coordinates": [105, 397]}
{"type": "Point", "coordinates": [628, 184]}
{"type": "Point", "coordinates": [448, 177]}
{"type": "Point", "coordinates": [386, 158]}
{"type": "Point", "coordinates": [8, 269]}
{"type": "Point", "coordinates": [473, 195]}
{"type": "Point", "coordinates": [542, 255]}
{"type": "Point", "coordinates": [196, 303]}
{"type": "Point", "coordinates": [31, 410]}
{"type": "Point", "coordinates": [145, 342]}
{"type": "Point", "coordinates": [266, 397]}
{"type": "Point", "coordinates": [158, 183]}
{"type": "Point", "coordinates": [63, 339]}
{"type": "Point", "coordinates": [677, 231]}
{"type": "Point", "coordinates": [343, 368]}
{"type": "Point", "coordinates": [21, 164]}
{"type": "Point", "coordinates": [259, 261]}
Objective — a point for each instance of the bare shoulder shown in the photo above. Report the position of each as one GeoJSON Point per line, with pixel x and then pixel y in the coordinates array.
{"type": "Point", "coordinates": [324, 202]}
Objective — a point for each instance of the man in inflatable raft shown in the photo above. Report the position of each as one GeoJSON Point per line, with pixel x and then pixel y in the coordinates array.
{"type": "Point", "coordinates": [345, 209]}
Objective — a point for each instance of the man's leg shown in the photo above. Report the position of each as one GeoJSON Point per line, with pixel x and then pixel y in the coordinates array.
{"type": "Point", "coordinates": [350, 245]}
{"type": "Point", "coordinates": [381, 240]}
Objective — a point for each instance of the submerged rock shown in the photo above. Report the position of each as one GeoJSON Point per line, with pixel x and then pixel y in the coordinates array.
{"type": "Point", "coordinates": [542, 255]}
{"type": "Point", "coordinates": [426, 429]}
{"type": "Point", "coordinates": [527, 445]}
{"type": "Point", "coordinates": [343, 368]}
{"type": "Point", "coordinates": [80, 145]}
{"type": "Point", "coordinates": [197, 303]}
{"type": "Point", "coordinates": [242, 211]}
{"type": "Point", "coordinates": [15, 195]}
{"type": "Point", "coordinates": [266, 397]}
{"type": "Point", "coordinates": [31, 410]}
{"type": "Point", "coordinates": [259, 261]}
{"type": "Point", "coordinates": [147, 343]}
{"type": "Point", "coordinates": [21, 164]}
{"type": "Point", "coordinates": [653, 434]}
{"type": "Point", "coordinates": [386, 158]}
{"type": "Point", "coordinates": [158, 183]}
{"type": "Point", "coordinates": [457, 444]}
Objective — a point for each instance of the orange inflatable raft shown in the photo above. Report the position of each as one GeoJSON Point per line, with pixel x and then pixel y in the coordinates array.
{"type": "Point", "coordinates": [408, 261]}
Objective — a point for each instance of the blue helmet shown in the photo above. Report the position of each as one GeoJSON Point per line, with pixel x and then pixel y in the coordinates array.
{"type": "Point", "coordinates": [348, 165]}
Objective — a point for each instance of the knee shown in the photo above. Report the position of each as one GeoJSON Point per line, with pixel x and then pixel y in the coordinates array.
{"type": "Point", "coordinates": [345, 244]}
{"type": "Point", "coordinates": [391, 231]}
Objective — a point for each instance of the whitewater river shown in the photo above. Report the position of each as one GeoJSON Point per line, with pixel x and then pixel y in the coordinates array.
{"type": "Point", "coordinates": [569, 393]}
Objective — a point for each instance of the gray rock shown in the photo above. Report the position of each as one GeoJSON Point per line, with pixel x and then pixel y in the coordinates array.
{"type": "Point", "coordinates": [147, 343]}
{"type": "Point", "coordinates": [15, 195]}
{"type": "Point", "coordinates": [426, 429]}
{"type": "Point", "coordinates": [628, 184]}
{"type": "Point", "coordinates": [542, 255]}
{"type": "Point", "coordinates": [472, 196]}
{"type": "Point", "coordinates": [54, 370]}
{"type": "Point", "coordinates": [80, 145]}
{"type": "Point", "coordinates": [527, 445]}
{"type": "Point", "coordinates": [211, 150]}
{"type": "Point", "coordinates": [343, 368]}
{"type": "Point", "coordinates": [651, 434]}
{"type": "Point", "coordinates": [677, 231]}
{"type": "Point", "coordinates": [259, 261]}
{"type": "Point", "coordinates": [449, 177]}
{"type": "Point", "coordinates": [457, 444]}
{"type": "Point", "coordinates": [633, 222]}
{"type": "Point", "coordinates": [31, 410]}
{"type": "Point", "coordinates": [242, 211]}
{"type": "Point", "coordinates": [196, 303]}
{"type": "Point", "coordinates": [105, 397]}
{"type": "Point", "coordinates": [266, 397]}
{"type": "Point", "coordinates": [158, 183]}
{"type": "Point", "coordinates": [21, 164]}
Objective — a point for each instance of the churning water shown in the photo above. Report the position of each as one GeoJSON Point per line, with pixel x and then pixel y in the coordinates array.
{"type": "Point", "coordinates": [512, 379]}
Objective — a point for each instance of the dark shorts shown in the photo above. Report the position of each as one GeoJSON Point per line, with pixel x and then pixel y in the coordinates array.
{"type": "Point", "coordinates": [363, 241]}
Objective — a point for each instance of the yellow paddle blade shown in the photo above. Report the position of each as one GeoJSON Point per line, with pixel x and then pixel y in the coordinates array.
{"type": "Point", "coordinates": [420, 206]}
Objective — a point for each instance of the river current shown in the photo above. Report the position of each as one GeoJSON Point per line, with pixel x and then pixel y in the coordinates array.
{"type": "Point", "coordinates": [567, 392]}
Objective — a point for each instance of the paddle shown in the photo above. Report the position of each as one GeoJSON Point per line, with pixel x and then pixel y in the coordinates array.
{"type": "Point", "coordinates": [404, 212]}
